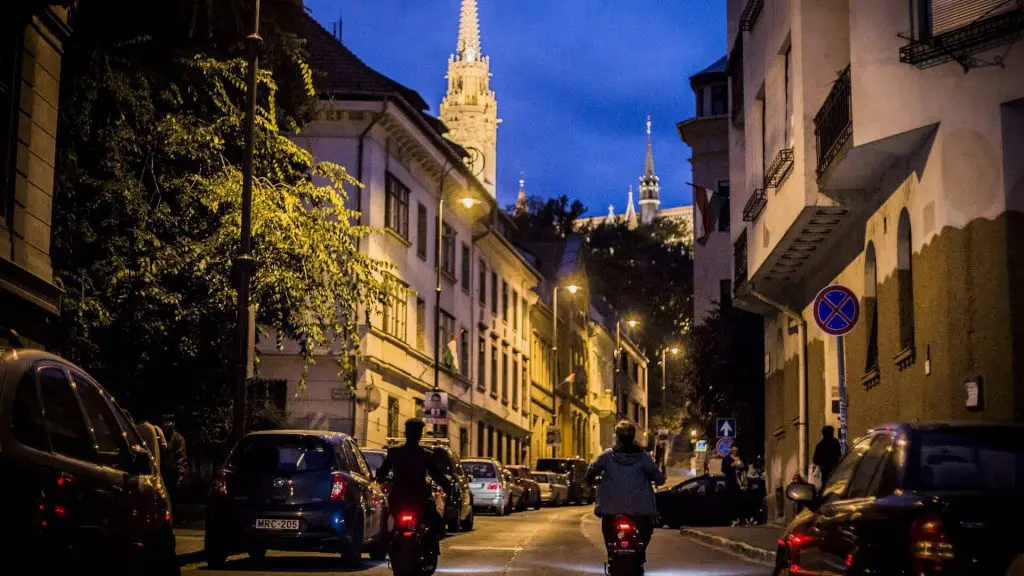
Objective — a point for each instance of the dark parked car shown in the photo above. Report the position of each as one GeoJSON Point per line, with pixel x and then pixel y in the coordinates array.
{"type": "Point", "coordinates": [575, 471]}
{"type": "Point", "coordinates": [456, 504]}
{"type": "Point", "coordinates": [531, 489]}
{"type": "Point", "coordinates": [78, 489]}
{"type": "Point", "coordinates": [914, 499]}
{"type": "Point", "coordinates": [303, 490]}
{"type": "Point", "coordinates": [703, 501]}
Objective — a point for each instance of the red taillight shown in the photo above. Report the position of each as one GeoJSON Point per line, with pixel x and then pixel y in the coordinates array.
{"type": "Point", "coordinates": [793, 543]}
{"type": "Point", "coordinates": [337, 487]}
{"type": "Point", "coordinates": [220, 483]}
{"type": "Point", "coordinates": [407, 521]}
{"type": "Point", "coordinates": [167, 516]}
{"type": "Point", "coordinates": [624, 525]}
{"type": "Point", "coordinates": [65, 480]}
{"type": "Point", "coordinates": [930, 548]}
{"type": "Point", "coordinates": [492, 486]}
{"type": "Point", "coordinates": [385, 487]}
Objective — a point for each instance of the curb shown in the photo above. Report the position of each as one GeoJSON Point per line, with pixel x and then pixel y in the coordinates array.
{"type": "Point", "coordinates": [753, 553]}
{"type": "Point", "coordinates": [191, 557]}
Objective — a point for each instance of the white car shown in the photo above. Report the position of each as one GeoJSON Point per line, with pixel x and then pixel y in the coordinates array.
{"type": "Point", "coordinates": [554, 488]}
{"type": "Point", "coordinates": [488, 485]}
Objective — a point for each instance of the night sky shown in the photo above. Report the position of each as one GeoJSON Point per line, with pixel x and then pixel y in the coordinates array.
{"type": "Point", "coordinates": [574, 80]}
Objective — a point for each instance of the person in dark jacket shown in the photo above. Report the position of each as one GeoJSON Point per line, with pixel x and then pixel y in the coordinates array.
{"type": "Point", "coordinates": [174, 464]}
{"type": "Point", "coordinates": [409, 466]}
{"type": "Point", "coordinates": [627, 472]}
{"type": "Point", "coordinates": [827, 453]}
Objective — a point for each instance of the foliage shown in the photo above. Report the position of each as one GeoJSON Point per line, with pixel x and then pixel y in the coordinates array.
{"type": "Point", "coordinates": [545, 219]}
{"type": "Point", "coordinates": [722, 374]}
{"type": "Point", "coordinates": [147, 206]}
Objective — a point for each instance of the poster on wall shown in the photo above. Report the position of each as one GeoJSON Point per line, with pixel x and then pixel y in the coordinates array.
{"type": "Point", "coordinates": [553, 436]}
{"type": "Point", "coordinates": [435, 408]}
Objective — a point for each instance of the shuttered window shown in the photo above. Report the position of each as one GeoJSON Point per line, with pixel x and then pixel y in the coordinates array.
{"type": "Point", "coordinates": [947, 15]}
{"type": "Point", "coordinates": [11, 38]}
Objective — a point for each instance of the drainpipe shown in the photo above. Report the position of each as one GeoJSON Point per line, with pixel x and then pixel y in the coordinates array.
{"type": "Point", "coordinates": [801, 378]}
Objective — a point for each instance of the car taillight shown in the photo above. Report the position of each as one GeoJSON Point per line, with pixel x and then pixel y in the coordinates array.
{"type": "Point", "coordinates": [930, 548]}
{"type": "Point", "coordinates": [492, 486]}
{"type": "Point", "coordinates": [793, 543]}
{"type": "Point", "coordinates": [337, 487]}
{"type": "Point", "coordinates": [220, 483]}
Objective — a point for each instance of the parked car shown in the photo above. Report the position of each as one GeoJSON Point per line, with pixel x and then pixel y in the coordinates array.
{"type": "Point", "coordinates": [518, 492]}
{"type": "Point", "coordinates": [375, 458]}
{"type": "Point", "coordinates": [491, 490]}
{"type": "Point", "coordinates": [458, 510]}
{"type": "Point", "coordinates": [303, 490]}
{"type": "Point", "coordinates": [531, 489]}
{"type": "Point", "coordinates": [914, 499]}
{"type": "Point", "coordinates": [78, 489]}
{"type": "Point", "coordinates": [575, 471]}
{"type": "Point", "coordinates": [553, 488]}
{"type": "Point", "coordinates": [703, 501]}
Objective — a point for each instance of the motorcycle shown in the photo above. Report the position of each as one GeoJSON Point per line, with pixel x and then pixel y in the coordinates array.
{"type": "Point", "coordinates": [413, 546]}
{"type": "Point", "coordinates": [626, 553]}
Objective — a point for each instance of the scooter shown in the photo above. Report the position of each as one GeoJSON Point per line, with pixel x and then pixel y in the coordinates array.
{"type": "Point", "coordinates": [626, 551]}
{"type": "Point", "coordinates": [413, 546]}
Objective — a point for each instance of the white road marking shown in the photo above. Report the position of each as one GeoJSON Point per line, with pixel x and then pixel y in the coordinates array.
{"type": "Point", "coordinates": [486, 548]}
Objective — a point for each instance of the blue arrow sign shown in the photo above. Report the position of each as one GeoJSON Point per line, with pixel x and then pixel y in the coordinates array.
{"type": "Point", "coordinates": [836, 310]}
{"type": "Point", "coordinates": [726, 427]}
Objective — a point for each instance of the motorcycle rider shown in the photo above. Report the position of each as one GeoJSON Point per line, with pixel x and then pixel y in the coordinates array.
{"type": "Point", "coordinates": [626, 472]}
{"type": "Point", "coordinates": [410, 464]}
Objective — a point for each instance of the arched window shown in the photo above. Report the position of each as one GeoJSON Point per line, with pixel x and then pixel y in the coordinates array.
{"type": "Point", "coordinates": [871, 307]}
{"type": "Point", "coordinates": [905, 281]}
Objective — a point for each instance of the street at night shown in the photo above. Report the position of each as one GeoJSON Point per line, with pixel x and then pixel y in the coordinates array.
{"type": "Point", "coordinates": [547, 542]}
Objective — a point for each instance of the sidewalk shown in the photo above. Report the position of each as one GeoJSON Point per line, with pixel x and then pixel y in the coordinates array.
{"type": "Point", "coordinates": [757, 543]}
{"type": "Point", "coordinates": [189, 545]}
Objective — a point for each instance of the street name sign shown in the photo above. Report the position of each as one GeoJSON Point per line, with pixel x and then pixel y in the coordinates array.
{"type": "Point", "coordinates": [836, 310]}
{"type": "Point", "coordinates": [726, 427]}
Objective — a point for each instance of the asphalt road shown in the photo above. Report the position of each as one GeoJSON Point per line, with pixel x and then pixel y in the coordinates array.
{"type": "Point", "coordinates": [547, 542]}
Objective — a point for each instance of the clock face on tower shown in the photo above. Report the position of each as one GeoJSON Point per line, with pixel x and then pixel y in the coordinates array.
{"type": "Point", "coordinates": [475, 160]}
{"type": "Point", "coordinates": [470, 54]}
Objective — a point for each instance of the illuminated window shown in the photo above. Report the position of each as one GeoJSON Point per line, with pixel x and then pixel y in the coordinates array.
{"type": "Point", "coordinates": [396, 206]}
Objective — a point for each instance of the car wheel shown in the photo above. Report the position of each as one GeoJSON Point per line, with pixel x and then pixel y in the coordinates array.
{"type": "Point", "coordinates": [214, 551]}
{"type": "Point", "coordinates": [379, 549]}
{"type": "Point", "coordinates": [509, 508]}
{"type": "Point", "coordinates": [467, 524]}
{"type": "Point", "coordinates": [352, 554]}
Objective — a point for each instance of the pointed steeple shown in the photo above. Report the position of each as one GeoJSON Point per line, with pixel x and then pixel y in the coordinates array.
{"type": "Point", "coordinates": [630, 211]}
{"type": "Point", "coordinates": [468, 47]}
{"type": "Point", "coordinates": [649, 185]}
{"type": "Point", "coordinates": [610, 219]}
{"type": "Point", "coordinates": [521, 206]}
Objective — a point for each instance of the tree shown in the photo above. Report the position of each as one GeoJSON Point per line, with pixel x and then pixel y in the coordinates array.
{"type": "Point", "coordinates": [723, 375]}
{"type": "Point", "coordinates": [545, 219]}
{"type": "Point", "coordinates": [147, 205]}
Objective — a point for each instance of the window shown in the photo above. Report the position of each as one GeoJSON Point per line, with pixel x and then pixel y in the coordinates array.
{"type": "Point", "coordinates": [515, 310]}
{"type": "Point", "coordinates": [905, 281]}
{"type": "Point", "coordinates": [494, 371]}
{"type": "Point", "coordinates": [27, 422]}
{"type": "Point", "coordinates": [871, 307]}
{"type": "Point", "coordinates": [421, 231]}
{"type": "Point", "coordinates": [699, 96]}
{"type": "Point", "coordinates": [835, 488]}
{"type": "Point", "coordinates": [463, 443]}
{"type": "Point", "coordinates": [396, 309]}
{"type": "Point", "coordinates": [523, 312]}
{"type": "Point", "coordinates": [467, 277]}
{"type": "Point", "coordinates": [504, 301]}
{"type": "Point", "coordinates": [504, 374]}
{"type": "Point", "coordinates": [970, 459]}
{"type": "Point", "coordinates": [421, 324]}
{"type": "Point", "coordinates": [494, 293]}
{"type": "Point", "coordinates": [863, 482]}
{"type": "Point", "coordinates": [105, 429]}
{"type": "Point", "coordinates": [725, 293]}
{"type": "Point", "coordinates": [394, 414]}
{"type": "Point", "coordinates": [396, 206]}
{"type": "Point", "coordinates": [448, 250]}
{"type": "Point", "coordinates": [68, 433]}
{"type": "Point", "coordinates": [515, 381]}
{"type": "Point", "coordinates": [723, 219]}
{"type": "Point", "coordinates": [447, 335]}
{"type": "Point", "coordinates": [490, 444]}
{"type": "Point", "coordinates": [481, 363]}
{"type": "Point", "coordinates": [464, 352]}
{"type": "Point", "coordinates": [788, 126]}
{"type": "Point", "coordinates": [719, 99]}
{"type": "Point", "coordinates": [935, 17]}
{"type": "Point", "coordinates": [10, 82]}
{"type": "Point", "coordinates": [526, 387]}
{"type": "Point", "coordinates": [364, 468]}
{"type": "Point", "coordinates": [482, 280]}
{"type": "Point", "coordinates": [480, 431]}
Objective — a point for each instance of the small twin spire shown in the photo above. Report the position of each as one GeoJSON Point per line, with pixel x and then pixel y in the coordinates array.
{"type": "Point", "coordinates": [649, 161]}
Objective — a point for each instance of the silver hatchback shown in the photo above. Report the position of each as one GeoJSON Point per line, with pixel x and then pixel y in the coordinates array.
{"type": "Point", "coordinates": [489, 488]}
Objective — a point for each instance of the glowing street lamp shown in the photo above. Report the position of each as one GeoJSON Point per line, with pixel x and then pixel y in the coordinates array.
{"type": "Point", "coordinates": [572, 288]}
{"type": "Point", "coordinates": [469, 202]}
{"type": "Point", "coordinates": [632, 323]}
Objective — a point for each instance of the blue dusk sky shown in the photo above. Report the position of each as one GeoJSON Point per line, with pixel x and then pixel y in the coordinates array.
{"type": "Point", "coordinates": [574, 79]}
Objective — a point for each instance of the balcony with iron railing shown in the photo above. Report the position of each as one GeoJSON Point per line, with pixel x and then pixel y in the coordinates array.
{"type": "Point", "coordinates": [739, 256]}
{"type": "Point", "coordinates": [755, 205]}
{"type": "Point", "coordinates": [833, 124]}
{"type": "Point", "coordinates": [958, 31]}
{"type": "Point", "coordinates": [748, 18]}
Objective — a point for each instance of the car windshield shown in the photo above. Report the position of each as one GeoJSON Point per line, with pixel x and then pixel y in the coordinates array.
{"type": "Point", "coordinates": [374, 460]}
{"type": "Point", "coordinates": [540, 478]}
{"type": "Point", "coordinates": [971, 460]}
{"type": "Point", "coordinates": [280, 454]}
{"type": "Point", "coordinates": [480, 469]}
{"type": "Point", "coordinates": [553, 465]}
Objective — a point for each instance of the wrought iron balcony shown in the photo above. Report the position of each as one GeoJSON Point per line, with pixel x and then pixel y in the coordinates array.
{"type": "Point", "coordinates": [833, 124]}
{"type": "Point", "coordinates": [755, 205]}
{"type": "Point", "coordinates": [992, 26]}
{"type": "Point", "coordinates": [750, 13]}
{"type": "Point", "coordinates": [779, 169]}
{"type": "Point", "coordinates": [739, 257]}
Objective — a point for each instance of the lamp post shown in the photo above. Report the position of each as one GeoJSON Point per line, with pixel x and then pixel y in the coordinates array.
{"type": "Point", "coordinates": [244, 261]}
{"type": "Point", "coordinates": [675, 351]}
{"type": "Point", "coordinates": [631, 323]}
{"type": "Point", "coordinates": [572, 289]}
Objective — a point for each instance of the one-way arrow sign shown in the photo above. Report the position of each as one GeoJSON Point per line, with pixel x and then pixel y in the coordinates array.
{"type": "Point", "coordinates": [726, 427]}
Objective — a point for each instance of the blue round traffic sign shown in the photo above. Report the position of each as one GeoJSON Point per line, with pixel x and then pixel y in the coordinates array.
{"type": "Point", "coordinates": [724, 446]}
{"type": "Point", "coordinates": [836, 310]}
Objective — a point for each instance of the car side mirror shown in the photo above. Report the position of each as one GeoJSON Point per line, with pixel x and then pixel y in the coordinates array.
{"type": "Point", "coordinates": [802, 493]}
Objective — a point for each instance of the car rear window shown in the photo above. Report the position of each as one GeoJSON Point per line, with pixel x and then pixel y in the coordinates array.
{"type": "Point", "coordinates": [553, 465]}
{"type": "Point", "coordinates": [281, 454]}
{"type": "Point", "coordinates": [541, 478]}
{"type": "Point", "coordinates": [374, 460]}
{"type": "Point", "coordinates": [480, 469]}
{"type": "Point", "coordinates": [970, 459]}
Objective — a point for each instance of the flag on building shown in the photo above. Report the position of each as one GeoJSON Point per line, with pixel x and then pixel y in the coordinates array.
{"type": "Point", "coordinates": [451, 354]}
{"type": "Point", "coordinates": [703, 223]}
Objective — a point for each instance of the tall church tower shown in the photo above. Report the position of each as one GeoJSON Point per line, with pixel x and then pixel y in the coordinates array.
{"type": "Point", "coordinates": [470, 109]}
{"type": "Point", "coordinates": [649, 186]}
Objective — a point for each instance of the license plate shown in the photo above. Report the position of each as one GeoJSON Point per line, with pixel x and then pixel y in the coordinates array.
{"type": "Point", "coordinates": [270, 524]}
{"type": "Point", "coordinates": [477, 485]}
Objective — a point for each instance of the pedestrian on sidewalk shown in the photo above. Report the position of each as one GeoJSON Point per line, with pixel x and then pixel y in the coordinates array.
{"type": "Point", "coordinates": [827, 453]}
{"type": "Point", "coordinates": [174, 468]}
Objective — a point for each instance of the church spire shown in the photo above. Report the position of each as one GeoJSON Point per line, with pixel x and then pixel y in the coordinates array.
{"type": "Point", "coordinates": [468, 47]}
{"type": "Point", "coordinates": [649, 185]}
{"type": "Point", "coordinates": [521, 205]}
{"type": "Point", "coordinates": [630, 211]}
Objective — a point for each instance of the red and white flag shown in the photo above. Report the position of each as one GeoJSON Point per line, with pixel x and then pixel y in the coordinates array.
{"type": "Point", "coordinates": [703, 223]}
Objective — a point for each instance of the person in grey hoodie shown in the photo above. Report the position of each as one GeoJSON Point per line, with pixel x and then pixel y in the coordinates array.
{"type": "Point", "coordinates": [627, 473]}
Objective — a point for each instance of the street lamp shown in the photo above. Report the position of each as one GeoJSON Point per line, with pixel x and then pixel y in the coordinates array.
{"type": "Point", "coordinates": [572, 289]}
{"type": "Point", "coordinates": [632, 323]}
{"type": "Point", "coordinates": [693, 432]}
{"type": "Point", "coordinates": [675, 352]}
